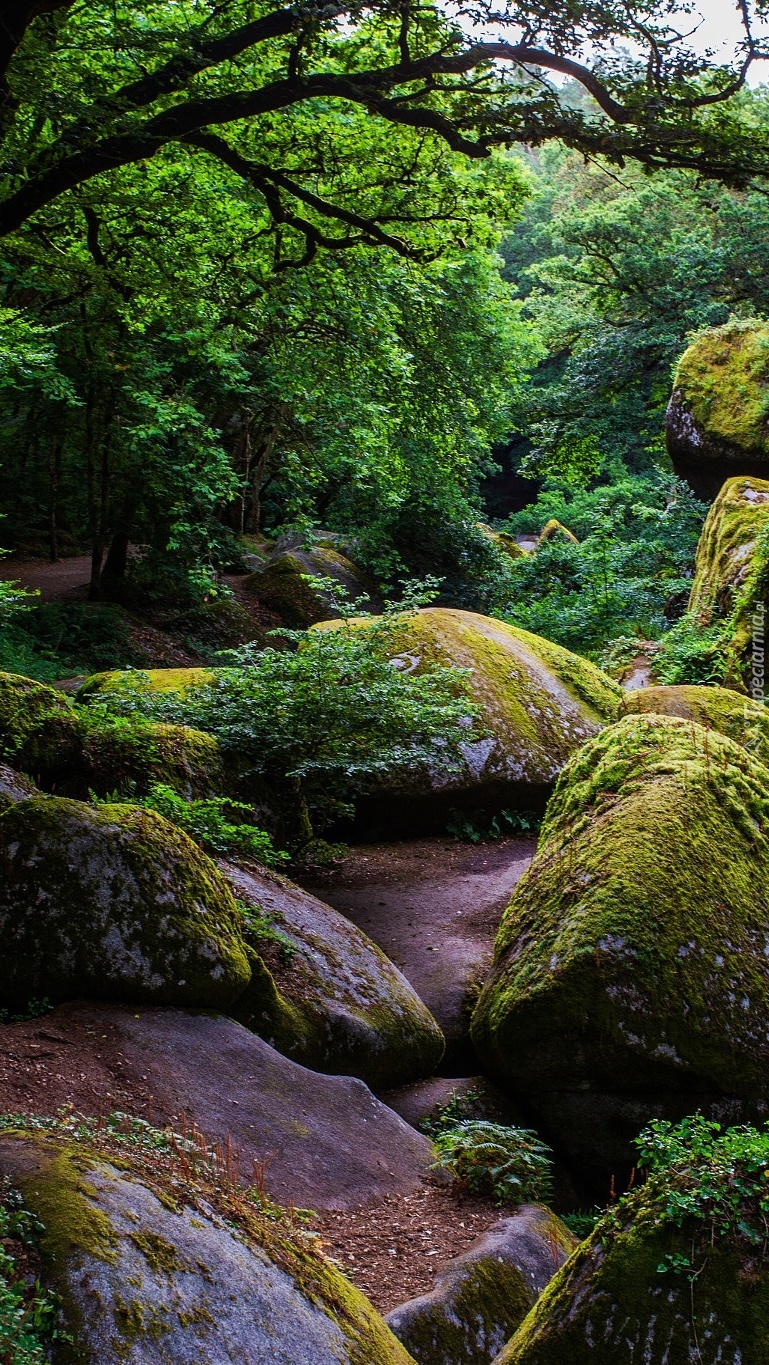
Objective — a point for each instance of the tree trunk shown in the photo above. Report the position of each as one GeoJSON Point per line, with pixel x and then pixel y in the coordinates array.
{"type": "Point", "coordinates": [116, 562]}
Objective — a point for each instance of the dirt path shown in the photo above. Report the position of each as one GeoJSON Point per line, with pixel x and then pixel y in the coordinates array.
{"type": "Point", "coordinates": [434, 906]}
{"type": "Point", "coordinates": [65, 581]}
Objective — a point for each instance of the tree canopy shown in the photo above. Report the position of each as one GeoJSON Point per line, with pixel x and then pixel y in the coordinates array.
{"type": "Point", "coordinates": [329, 115]}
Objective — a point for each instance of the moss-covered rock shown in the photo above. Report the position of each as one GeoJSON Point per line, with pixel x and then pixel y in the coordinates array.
{"type": "Point", "coordinates": [538, 704]}
{"type": "Point", "coordinates": [282, 587]}
{"type": "Point", "coordinates": [717, 422]}
{"type": "Point", "coordinates": [38, 727]}
{"type": "Point", "coordinates": [620, 1297]}
{"type": "Point", "coordinates": [630, 967]}
{"type": "Point", "coordinates": [339, 1004]}
{"type": "Point", "coordinates": [504, 542]}
{"type": "Point", "coordinates": [731, 579]}
{"type": "Point", "coordinates": [130, 753]}
{"type": "Point", "coordinates": [480, 1298]}
{"type": "Point", "coordinates": [141, 681]}
{"type": "Point", "coordinates": [150, 1269]}
{"type": "Point", "coordinates": [715, 708]}
{"type": "Point", "coordinates": [113, 902]}
{"type": "Point", "coordinates": [555, 530]}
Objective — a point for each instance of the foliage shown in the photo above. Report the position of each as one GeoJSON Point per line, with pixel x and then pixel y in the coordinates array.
{"type": "Point", "coordinates": [460, 1105]}
{"type": "Point", "coordinates": [478, 827]}
{"type": "Point", "coordinates": [692, 653]}
{"type": "Point", "coordinates": [212, 824]}
{"type": "Point", "coordinates": [618, 269]}
{"type": "Point", "coordinates": [637, 539]}
{"type": "Point", "coordinates": [324, 722]}
{"type": "Point", "coordinates": [512, 1164]}
{"type": "Point", "coordinates": [582, 1222]}
{"type": "Point", "coordinates": [27, 1311]}
{"type": "Point", "coordinates": [716, 1176]}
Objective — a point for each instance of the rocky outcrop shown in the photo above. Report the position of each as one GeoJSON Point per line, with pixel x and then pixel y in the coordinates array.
{"type": "Point", "coordinates": [281, 585]}
{"type": "Point", "coordinates": [555, 530]}
{"type": "Point", "coordinates": [137, 682]}
{"type": "Point", "coordinates": [480, 1298]}
{"type": "Point", "coordinates": [538, 703]}
{"type": "Point", "coordinates": [630, 967]}
{"type": "Point", "coordinates": [38, 727]}
{"type": "Point", "coordinates": [340, 1005]}
{"type": "Point", "coordinates": [657, 1283]}
{"type": "Point", "coordinates": [112, 901]}
{"type": "Point", "coordinates": [716, 424]}
{"type": "Point", "coordinates": [150, 1269]}
{"type": "Point", "coordinates": [731, 579]}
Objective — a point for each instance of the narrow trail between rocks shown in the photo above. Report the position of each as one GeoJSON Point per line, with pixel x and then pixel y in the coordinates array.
{"type": "Point", "coordinates": [434, 906]}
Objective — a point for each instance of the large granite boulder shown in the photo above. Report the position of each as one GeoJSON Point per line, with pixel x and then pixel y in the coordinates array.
{"type": "Point", "coordinates": [716, 708]}
{"type": "Point", "coordinates": [538, 704]}
{"type": "Point", "coordinates": [480, 1298]}
{"type": "Point", "coordinates": [340, 1005]}
{"type": "Point", "coordinates": [731, 578]}
{"type": "Point", "coordinates": [154, 1266]}
{"type": "Point", "coordinates": [281, 585]}
{"type": "Point", "coordinates": [677, 1273]}
{"type": "Point", "coordinates": [630, 974]}
{"type": "Point", "coordinates": [322, 1142]}
{"type": "Point", "coordinates": [112, 901]}
{"type": "Point", "coordinates": [716, 424]}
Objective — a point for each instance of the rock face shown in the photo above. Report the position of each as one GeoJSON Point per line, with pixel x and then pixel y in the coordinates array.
{"type": "Point", "coordinates": [716, 424]}
{"type": "Point", "coordinates": [280, 585]}
{"type": "Point", "coordinates": [716, 708]}
{"type": "Point", "coordinates": [731, 579]}
{"type": "Point", "coordinates": [113, 901]}
{"type": "Point", "coordinates": [630, 967]}
{"type": "Point", "coordinates": [612, 1304]}
{"type": "Point", "coordinates": [538, 704]}
{"type": "Point", "coordinates": [146, 1276]}
{"type": "Point", "coordinates": [340, 1004]}
{"type": "Point", "coordinates": [480, 1298]}
{"type": "Point", "coordinates": [324, 1141]}
{"type": "Point", "coordinates": [555, 530]}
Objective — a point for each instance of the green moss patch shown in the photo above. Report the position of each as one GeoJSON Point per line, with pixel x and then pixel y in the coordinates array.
{"type": "Point", "coordinates": [723, 378]}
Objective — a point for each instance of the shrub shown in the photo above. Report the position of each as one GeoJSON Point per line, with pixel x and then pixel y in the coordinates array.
{"type": "Point", "coordinates": [213, 824]}
{"type": "Point", "coordinates": [512, 1164]}
{"type": "Point", "coordinates": [27, 1313]}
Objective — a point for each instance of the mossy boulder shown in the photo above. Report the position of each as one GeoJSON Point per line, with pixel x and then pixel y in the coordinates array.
{"type": "Point", "coordinates": [38, 727]}
{"type": "Point", "coordinates": [538, 703]}
{"type": "Point", "coordinates": [112, 901]}
{"type": "Point", "coordinates": [716, 708]}
{"type": "Point", "coordinates": [504, 542]}
{"type": "Point", "coordinates": [340, 1005]}
{"type": "Point", "coordinates": [480, 1298]}
{"type": "Point", "coordinates": [130, 753]}
{"type": "Point", "coordinates": [140, 681]}
{"type": "Point", "coordinates": [621, 1298]}
{"type": "Point", "coordinates": [630, 972]}
{"type": "Point", "coordinates": [731, 578]}
{"type": "Point", "coordinates": [151, 1269]}
{"type": "Point", "coordinates": [555, 530]}
{"type": "Point", "coordinates": [717, 422]}
{"type": "Point", "coordinates": [331, 1143]}
{"type": "Point", "coordinates": [282, 587]}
